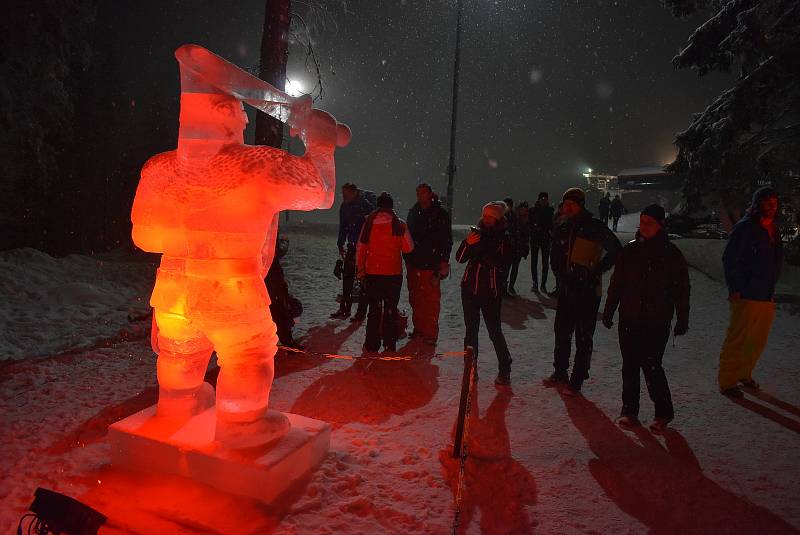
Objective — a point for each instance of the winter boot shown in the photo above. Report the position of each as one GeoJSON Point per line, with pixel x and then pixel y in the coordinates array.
{"type": "Point", "coordinates": [628, 421]}
{"type": "Point", "coordinates": [556, 378]}
{"type": "Point", "coordinates": [750, 383]}
{"type": "Point", "coordinates": [659, 424]}
{"type": "Point", "coordinates": [733, 392]}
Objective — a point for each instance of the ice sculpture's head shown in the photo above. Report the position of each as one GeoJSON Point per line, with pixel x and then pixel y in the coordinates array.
{"type": "Point", "coordinates": [212, 117]}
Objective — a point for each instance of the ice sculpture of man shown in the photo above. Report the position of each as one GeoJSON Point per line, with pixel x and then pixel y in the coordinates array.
{"type": "Point", "coordinates": [210, 208]}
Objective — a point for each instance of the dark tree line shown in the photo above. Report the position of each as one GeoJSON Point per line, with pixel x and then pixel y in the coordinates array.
{"type": "Point", "coordinates": [750, 134]}
{"type": "Point", "coordinates": [45, 53]}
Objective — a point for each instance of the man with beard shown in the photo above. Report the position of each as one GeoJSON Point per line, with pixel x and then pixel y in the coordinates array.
{"type": "Point", "coordinates": [752, 261]}
{"type": "Point", "coordinates": [578, 263]}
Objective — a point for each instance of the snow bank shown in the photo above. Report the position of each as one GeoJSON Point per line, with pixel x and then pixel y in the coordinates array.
{"type": "Point", "coordinates": [51, 304]}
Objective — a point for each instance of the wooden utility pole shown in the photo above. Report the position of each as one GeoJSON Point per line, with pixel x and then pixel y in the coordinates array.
{"type": "Point", "coordinates": [274, 55]}
{"type": "Point", "coordinates": [451, 166]}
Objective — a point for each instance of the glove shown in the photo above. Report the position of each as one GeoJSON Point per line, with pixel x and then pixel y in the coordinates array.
{"type": "Point", "coordinates": [338, 269]}
{"type": "Point", "coordinates": [608, 320]}
{"type": "Point", "coordinates": [681, 328]}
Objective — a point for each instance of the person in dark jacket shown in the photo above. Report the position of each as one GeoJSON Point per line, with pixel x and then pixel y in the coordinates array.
{"type": "Point", "coordinates": [752, 260]}
{"type": "Point", "coordinates": [541, 229]}
{"type": "Point", "coordinates": [521, 238]}
{"type": "Point", "coordinates": [487, 249]}
{"type": "Point", "coordinates": [283, 306]}
{"type": "Point", "coordinates": [616, 209]}
{"type": "Point", "coordinates": [356, 206]}
{"type": "Point", "coordinates": [604, 208]}
{"type": "Point", "coordinates": [578, 263]}
{"type": "Point", "coordinates": [650, 283]}
{"type": "Point", "coordinates": [429, 262]}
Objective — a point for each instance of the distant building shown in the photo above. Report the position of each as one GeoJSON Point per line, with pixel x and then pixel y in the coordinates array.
{"type": "Point", "coordinates": [642, 178]}
{"type": "Point", "coordinates": [638, 187]}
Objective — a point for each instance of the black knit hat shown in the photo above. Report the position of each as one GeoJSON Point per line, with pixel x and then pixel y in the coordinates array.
{"type": "Point", "coordinates": [656, 212]}
{"type": "Point", "coordinates": [543, 195]}
{"type": "Point", "coordinates": [385, 201]}
{"type": "Point", "coordinates": [575, 195]}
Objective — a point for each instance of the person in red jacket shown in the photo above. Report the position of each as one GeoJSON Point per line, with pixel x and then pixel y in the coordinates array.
{"type": "Point", "coordinates": [384, 237]}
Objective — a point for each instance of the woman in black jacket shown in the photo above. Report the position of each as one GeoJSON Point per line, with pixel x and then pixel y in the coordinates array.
{"type": "Point", "coordinates": [488, 251]}
{"type": "Point", "coordinates": [650, 284]}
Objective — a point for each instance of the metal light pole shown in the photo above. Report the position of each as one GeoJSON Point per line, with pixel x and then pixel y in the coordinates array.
{"type": "Point", "coordinates": [451, 166]}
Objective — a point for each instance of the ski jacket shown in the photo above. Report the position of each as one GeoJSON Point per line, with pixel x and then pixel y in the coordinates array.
{"type": "Point", "coordinates": [752, 261]}
{"type": "Point", "coordinates": [488, 261]}
{"type": "Point", "coordinates": [576, 256]}
{"type": "Point", "coordinates": [604, 207]}
{"type": "Point", "coordinates": [522, 237]}
{"type": "Point", "coordinates": [433, 236]}
{"type": "Point", "coordinates": [384, 237]}
{"type": "Point", "coordinates": [650, 283]}
{"type": "Point", "coordinates": [541, 220]}
{"type": "Point", "coordinates": [352, 215]}
{"type": "Point", "coordinates": [617, 208]}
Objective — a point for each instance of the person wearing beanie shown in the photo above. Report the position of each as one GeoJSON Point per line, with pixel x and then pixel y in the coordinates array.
{"type": "Point", "coordinates": [487, 251]}
{"type": "Point", "coordinates": [356, 205]}
{"type": "Point", "coordinates": [650, 284]}
{"type": "Point", "coordinates": [429, 262]}
{"type": "Point", "coordinates": [752, 262]}
{"type": "Point", "coordinates": [578, 261]}
{"type": "Point", "coordinates": [541, 230]}
{"type": "Point", "coordinates": [384, 237]}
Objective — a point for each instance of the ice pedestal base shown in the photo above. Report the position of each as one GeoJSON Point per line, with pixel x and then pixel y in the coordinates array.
{"type": "Point", "coordinates": [142, 442]}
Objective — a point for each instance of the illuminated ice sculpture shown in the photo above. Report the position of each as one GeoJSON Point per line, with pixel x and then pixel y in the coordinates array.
{"type": "Point", "coordinates": [210, 207]}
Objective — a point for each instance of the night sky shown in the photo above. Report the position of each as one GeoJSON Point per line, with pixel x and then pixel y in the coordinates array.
{"type": "Point", "coordinates": [548, 87]}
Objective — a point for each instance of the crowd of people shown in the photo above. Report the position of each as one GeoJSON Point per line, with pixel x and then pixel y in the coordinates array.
{"type": "Point", "coordinates": [649, 285]}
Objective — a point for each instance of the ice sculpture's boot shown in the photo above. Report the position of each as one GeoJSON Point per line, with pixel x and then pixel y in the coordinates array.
{"type": "Point", "coordinates": [240, 430]}
{"type": "Point", "coordinates": [181, 405]}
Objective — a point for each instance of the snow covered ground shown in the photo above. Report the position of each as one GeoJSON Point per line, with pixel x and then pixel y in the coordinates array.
{"type": "Point", "coordinates": [539, 462]}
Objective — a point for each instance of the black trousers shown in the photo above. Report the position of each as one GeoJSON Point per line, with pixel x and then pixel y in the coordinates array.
{"type": "Point", "coordinates": [576, 313]}
{"type": "Point", "coordinates": [512, 278]}
{"type": "Point", "coordinates": [541, 243]}
{"type": "Point", "coordinates": [615, 222]}
{"type": "Point", "coordinates": [473, 307]}
{"type": "Point", "coordinates": [384, 294]}
{"type": "Point", "coordinates": [642, 349]}
{"type": "Point", "coordinates": [279, 296]}
{"type": "Point", "coordinates": [348, 280]}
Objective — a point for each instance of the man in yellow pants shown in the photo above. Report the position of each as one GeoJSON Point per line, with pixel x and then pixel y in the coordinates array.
{"type": "Point", "coordinates": [752, 262]}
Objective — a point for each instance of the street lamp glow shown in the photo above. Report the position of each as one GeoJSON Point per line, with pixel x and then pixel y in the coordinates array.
{"type": "Point", "coordinates": [294, 88]}
{"type": "Point", "coordinates": [589, 170]}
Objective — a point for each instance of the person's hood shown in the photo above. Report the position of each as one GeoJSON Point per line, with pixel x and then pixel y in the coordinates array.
{"type": "Point", "coordinates": [761, 194]}
{"type": "Point", "coordinates": [381, 218]}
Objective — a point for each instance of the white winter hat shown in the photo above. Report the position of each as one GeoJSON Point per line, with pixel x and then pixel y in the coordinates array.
{"type": "Point", "coordinates": [495, 209]}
